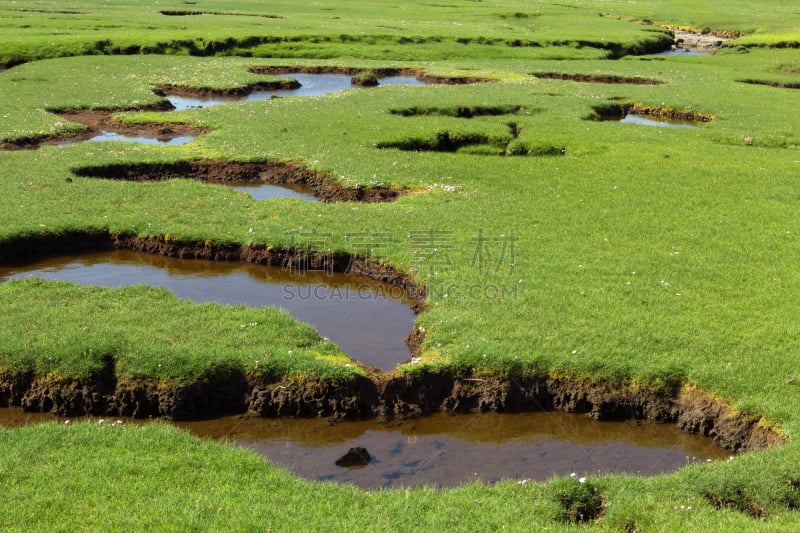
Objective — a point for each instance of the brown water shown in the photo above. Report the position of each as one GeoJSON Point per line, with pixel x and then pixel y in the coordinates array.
{"type": "Point", "coordinates": [368, 320]}
{"type": "Point", "coordinates": [448, 450]}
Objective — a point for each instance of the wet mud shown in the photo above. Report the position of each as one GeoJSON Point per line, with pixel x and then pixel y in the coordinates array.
{"type": "Point", "coordinates": [462, 111]}
{"type": "Point", "coordinates": [193, 13]}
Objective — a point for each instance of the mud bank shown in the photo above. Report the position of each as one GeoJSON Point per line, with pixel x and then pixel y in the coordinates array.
{"type": "Point", "coordinates": [321, 184]}
{"type": "Point", "coordinates": [381, 395]}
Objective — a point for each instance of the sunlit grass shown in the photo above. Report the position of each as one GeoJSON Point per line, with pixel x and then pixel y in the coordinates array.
{"type": "Point", "coordinates": [639, 256]}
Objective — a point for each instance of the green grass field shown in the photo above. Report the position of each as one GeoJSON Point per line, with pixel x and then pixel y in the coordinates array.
{"type": "Point", "coordinates": [550, 242]}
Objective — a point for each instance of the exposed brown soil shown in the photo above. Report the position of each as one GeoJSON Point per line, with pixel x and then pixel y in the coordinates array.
{"type": "Point", "coordinates": [322, 184]}
{"type": "Point", "coordinates": [596, 78]}
{"type": "Point", "coordinates": [379, 72]}
{"type": "Point", "coordinates": [386, 395]}
{"type": "Point", "coordinates": [378, 393]}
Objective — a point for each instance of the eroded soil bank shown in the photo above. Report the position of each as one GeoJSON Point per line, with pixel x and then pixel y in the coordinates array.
{"type": "Point", "coordinates": [322, 184]}
{"type": "Point", "coordinates": [377, 394]}
{"type": "Point", "coordinates": [380, 395]}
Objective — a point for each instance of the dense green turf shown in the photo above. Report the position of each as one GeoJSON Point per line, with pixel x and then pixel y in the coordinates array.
{"type": "Point", "coordinates": [642, 255]}
{"type": "Point", "coordinates": [100, 476]}
{"type": "Point", "coordinates": [89, 324]}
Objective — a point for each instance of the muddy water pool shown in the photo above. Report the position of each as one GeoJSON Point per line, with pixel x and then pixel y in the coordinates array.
{"type": "Point", "coordinates": [447, 450]}
{"type": "Point", "coordinates": [368, 320]}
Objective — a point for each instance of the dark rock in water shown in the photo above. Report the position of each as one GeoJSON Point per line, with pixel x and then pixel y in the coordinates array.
{"type": "Point", "coordinates": [354, 457]}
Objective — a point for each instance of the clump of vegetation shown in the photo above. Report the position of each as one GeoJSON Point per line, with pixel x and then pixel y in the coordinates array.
{"type": "Point", "coordinates": [365, 78]}
{"type": "Point", "coordinates": [579, 499]}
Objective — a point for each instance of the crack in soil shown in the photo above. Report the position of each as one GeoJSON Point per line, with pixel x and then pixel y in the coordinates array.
{"type": "Point", "coordinates": [462, 111]}
{"type": "Point", "coordinates": [190, 13]}
{"type": "Point", "coordinates": [770, 83]}
{"type": "Point", "coordinates": [597, 78]}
